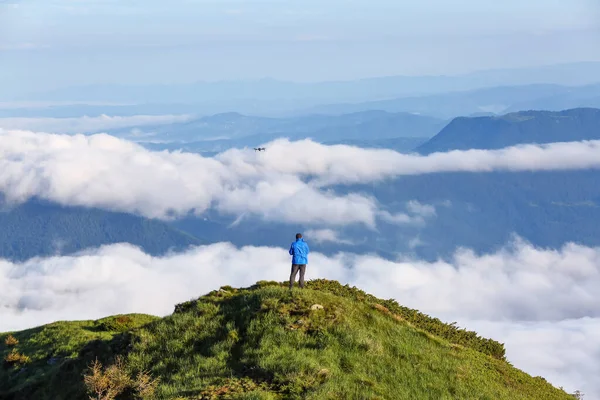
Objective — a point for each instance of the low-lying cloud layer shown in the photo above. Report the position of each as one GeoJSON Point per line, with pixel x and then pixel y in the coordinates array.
{"type": "Point", "coordinates": [289, 182]}
{"type": "Point", "coordinates": [88, 124]}
{"type": "Point", "coordinates": [544, 304]}
{"type": "Point", "coordinates": [566, 353]}
{"type": "Point", "coordinates": [339, 164]}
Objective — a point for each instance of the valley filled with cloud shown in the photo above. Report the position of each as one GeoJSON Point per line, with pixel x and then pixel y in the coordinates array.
{"type": "Point", "coordinates": [290, 182]}
{"type": "Point", "coordinates": [542, 303]}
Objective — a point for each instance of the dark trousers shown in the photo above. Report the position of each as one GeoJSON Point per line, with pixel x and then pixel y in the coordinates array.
{"type": "Point", "coordinates": [295, 268]}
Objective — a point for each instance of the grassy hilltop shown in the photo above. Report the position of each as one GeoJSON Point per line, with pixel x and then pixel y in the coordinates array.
{"type": "Point", "coordinates": [264, 343]}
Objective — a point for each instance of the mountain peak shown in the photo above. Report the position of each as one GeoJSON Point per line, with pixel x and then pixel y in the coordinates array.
{"type": "Point", "coordinates": [328, 341]}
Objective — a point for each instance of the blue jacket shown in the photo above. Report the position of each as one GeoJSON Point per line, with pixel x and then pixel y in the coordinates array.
{"type": "Point", "coordinates": [299, 252]}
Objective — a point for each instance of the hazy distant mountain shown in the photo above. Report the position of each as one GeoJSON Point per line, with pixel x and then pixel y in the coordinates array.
{"type": "Point", "coordinates": [268, 96]}
{"type": "Point", "coordinates": [495, 100]}
{"type": "Point", "coordinates": [97, 110]}
{"type": "Point", "coordinates": [222, 131]}
{"type": "Point", "coordinates": [39, 228]}
{"type": "Point", "coordinates": [516, 128]}
{"type": "Point", "coordinates": [382, 125]}
{"type": "Point", "coordinates": [586, 96]}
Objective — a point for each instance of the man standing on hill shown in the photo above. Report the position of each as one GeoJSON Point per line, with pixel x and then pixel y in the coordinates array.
{"type": "Point", "coordinates": [299, 252]}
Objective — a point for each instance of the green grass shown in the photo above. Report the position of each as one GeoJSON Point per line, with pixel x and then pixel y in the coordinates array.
{"type": "Point", "coordinates": [266, 342]}
{"type": "Point", "coordinates": [54, 349]}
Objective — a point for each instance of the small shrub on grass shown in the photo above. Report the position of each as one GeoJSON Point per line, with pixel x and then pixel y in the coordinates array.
{"type": "Point", "coordinates": [145, 385]}
{"type": "Point", "coordinates": [255, 395]}
{"type": "Point", "coordinates": [14, 358]}
{"type": "Point", "coordinates": [108, 383]}
{"type": "Point", "coordinates": [11, 341]}
{"type": "Point", "coordinates": [234, 388]}
{"type": "Point", "coordinates": [121, 323]}
{"type": "Point", "coordinates": [262, 284]}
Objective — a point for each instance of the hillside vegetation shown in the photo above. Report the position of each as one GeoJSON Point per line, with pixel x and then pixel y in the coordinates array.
{"type": "Point", "coordinates": [264, 342]}
{"type": "Point", "coordinates": [40, 228]}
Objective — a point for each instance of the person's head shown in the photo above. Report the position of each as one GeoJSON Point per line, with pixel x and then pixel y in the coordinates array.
{"type": "Point", "coordinates": [298, 236]}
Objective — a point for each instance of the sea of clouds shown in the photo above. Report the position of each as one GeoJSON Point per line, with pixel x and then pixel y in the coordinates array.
{"type": "Point", "coordinates": [104, 171]}
{"type": "Point", "coordinates": [542, 303]}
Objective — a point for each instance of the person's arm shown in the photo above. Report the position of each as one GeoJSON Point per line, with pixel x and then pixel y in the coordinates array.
{"type": "Point", "coordinates": [292, 249]}
{"type": "Point", "coordinates": [307, 248]}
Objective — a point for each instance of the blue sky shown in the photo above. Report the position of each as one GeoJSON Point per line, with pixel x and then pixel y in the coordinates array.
{"type": "Point", "coordinates": [54, 43]}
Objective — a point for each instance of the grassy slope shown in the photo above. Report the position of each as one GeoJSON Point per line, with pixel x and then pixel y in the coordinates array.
{"type": "Point", "coordinates": [267, 343]}
{"type": "Point", "coordinates": [58, 353]}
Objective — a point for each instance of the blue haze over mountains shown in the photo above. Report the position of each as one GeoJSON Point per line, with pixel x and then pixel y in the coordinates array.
{"type": "Point", "coordinates": [401, 131]}
{"type": "Point", "coordinates": [481, 211]}
{"type": "Point", "coordinates": [423, 115]}
{"type": "Point", "coordinates": [546, 208]}
{"type": "Point", "coordinates": [553, 87]}
{"type": "Point", "coordinates": [573, 74]}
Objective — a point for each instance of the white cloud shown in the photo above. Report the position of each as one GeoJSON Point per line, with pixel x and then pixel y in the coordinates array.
{"type": "Point", "coordinates": [446, 203]}
{"type": "Point", "coordinates": [289, 182]}
{"type": "Point", "coordinates": [563, 352]}
{"type": "Point", "coordinates": [424, 210]}
{"type": "Point", "coordinates": [400, 218]}
{"type": "Point", "coordinates": [106, 172]}
{"type": "Point", "coordinates": [289, 199]}
{"type": "Point", "coordinates": [347, 164]}
{"type": "Point", "coordinates": [88, 124]}
{"type": "Point", "coordinates": [420, 213]}
{"type": "Point", "coordinates": [415, 242]}
{"type": "Point", "coordinates": [544, 304]}
{"type": "Point", "coordinates": [325, 235]}
{"type": "Point", "coordinates": [519, 283]}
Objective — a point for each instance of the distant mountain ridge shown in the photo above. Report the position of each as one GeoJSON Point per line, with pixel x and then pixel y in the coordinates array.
{"type": "Point", "coordinates": [495, 100]}
{"type": "Point", "coordinates": [366, 89]}
{"type": "Point", "coordinates": [223, 131]}
{"type": "Point", "coordinates": [443, 104]}
{"type": "Point", "coordinates": [511, 129]}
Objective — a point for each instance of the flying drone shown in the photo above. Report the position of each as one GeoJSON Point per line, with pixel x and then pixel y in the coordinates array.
{"type": "Point", "coordinates": [259, 149]}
